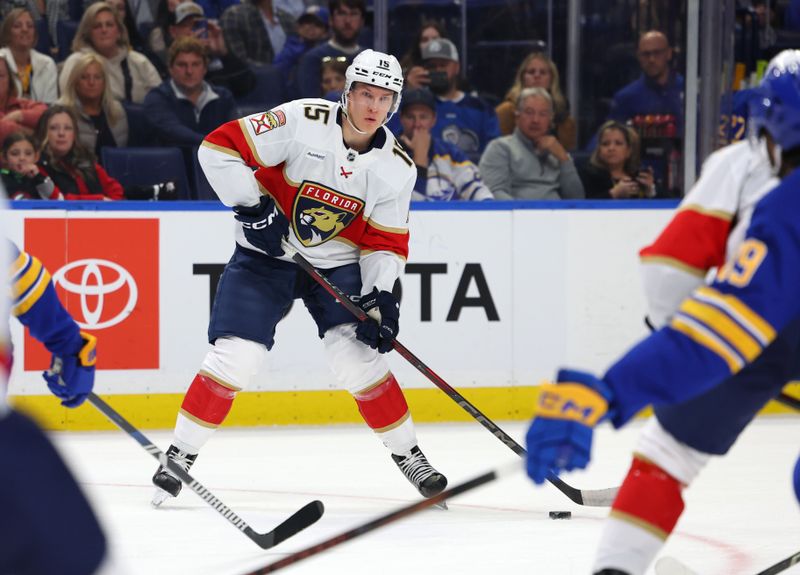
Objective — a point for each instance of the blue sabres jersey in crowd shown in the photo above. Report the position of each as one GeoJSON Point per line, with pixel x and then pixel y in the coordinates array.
{"type": "Point", "coordinates": [724, 326]}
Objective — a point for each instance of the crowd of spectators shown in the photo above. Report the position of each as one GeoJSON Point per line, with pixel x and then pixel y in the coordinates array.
{"type": "Point", "coordinates": [121, 74]}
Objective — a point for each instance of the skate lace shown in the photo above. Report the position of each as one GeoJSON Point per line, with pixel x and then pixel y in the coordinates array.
{"type": "Point", "coordinates": [181, 459]}
{"type": "Point", "coordinates": [416, 468]}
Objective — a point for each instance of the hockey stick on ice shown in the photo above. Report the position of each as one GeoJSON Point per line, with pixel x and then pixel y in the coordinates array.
{"type": "Point", "coordinates": [388, 518]}
{"type": "Point", "coordinates": [671, 566]}
{"type": "Point", "coordinates": [788, 400]}
{"type": "Point", "coordinates": [301, 519]}
{"type": "Point", "coordinates": [590, 497]}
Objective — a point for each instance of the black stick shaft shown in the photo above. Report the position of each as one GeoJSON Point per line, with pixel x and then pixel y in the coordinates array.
{"type": "Point", "coordinates": [385, 520]}
{"type": "Point", "coordinates": [788, 400]}
{"type": "Point", "coordinates": [263, 540]}
{"type": "Point", "coordinates": [782, 565]}
{"type": "Point", "coordinates": [599, 498]}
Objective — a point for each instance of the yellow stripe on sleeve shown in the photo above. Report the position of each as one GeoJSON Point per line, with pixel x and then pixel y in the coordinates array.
{"type": "Point", "coordinates": [697, 334]}
{"type": "Point", "coordinates": [33, 295]}
{"type": "Point", "coordinates": [735, 307]}
{"type": "Point", "coordinates": [27, 279]}
{"type": "Point", "coordinates": [725, 327]}
{"type": "Point", "coordinates": [19, 263]}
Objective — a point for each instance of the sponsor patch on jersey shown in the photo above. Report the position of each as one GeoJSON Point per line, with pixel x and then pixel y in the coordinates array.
{"type": "Point", "coordinates": [320, 213]}
{"type": "Point", "coordinates": [267, 121]}
{"type": "Point", "coordinates": [318, 156]}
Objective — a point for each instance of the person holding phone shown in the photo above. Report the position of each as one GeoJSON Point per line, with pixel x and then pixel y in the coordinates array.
{"type": "Point", "coordinates": [464, 120]}
{"type": "Point", "coordinates": [224, 67]}
{"type": "Point", "coordinates": [614, 171]}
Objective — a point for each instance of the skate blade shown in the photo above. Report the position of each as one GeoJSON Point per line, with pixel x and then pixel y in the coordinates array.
{"type": "Point", "coordinates": [159, 497]}
{"type": "Point", "coordinates": [441, 505]}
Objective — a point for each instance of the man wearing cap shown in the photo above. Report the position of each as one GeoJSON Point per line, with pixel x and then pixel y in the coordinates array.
{"type": "Point", "coordinates": [463, 120]}
{"type": "Point", "coordinates": [224, 67]}
{"type": "Point", "coordinates": [347, 20]}
{"type": "Point", "coordinates": [443, 171]}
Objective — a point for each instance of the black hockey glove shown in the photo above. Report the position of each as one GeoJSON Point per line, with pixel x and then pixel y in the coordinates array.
{"type": "Point", "coordinates": [264, 225]}
{"type": "Point", "coordinates": [379, 335]}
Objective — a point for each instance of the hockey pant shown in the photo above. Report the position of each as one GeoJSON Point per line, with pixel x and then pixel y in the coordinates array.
{"type": "Point", "coordinates": [233, 362]}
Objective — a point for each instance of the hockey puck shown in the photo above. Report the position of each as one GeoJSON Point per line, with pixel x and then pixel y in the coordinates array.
{"type": "Point", "coordinates": [561, 515]}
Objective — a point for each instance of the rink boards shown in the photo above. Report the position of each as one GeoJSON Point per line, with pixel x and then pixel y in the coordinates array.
{"type": "Point", "coordinates": [494, 298]}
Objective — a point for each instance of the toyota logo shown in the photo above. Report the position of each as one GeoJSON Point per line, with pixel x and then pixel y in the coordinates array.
{"type": "Point", "coordinates": [92, 284]}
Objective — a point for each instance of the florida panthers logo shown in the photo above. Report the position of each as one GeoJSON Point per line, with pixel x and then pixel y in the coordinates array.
{"type": "Point", "coordinates": [321, 213]}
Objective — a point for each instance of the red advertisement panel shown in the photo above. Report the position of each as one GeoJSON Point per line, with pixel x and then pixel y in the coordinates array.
{"type": "Point", "coordinates": [106, 274]}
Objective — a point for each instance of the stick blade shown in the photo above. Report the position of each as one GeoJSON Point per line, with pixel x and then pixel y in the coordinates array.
{"type": "Point", "coordinates": [302, 518]}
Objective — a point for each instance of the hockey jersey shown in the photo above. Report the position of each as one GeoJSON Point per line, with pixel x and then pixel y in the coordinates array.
{"type": "Point", "coordinates": [723, 326]}
{"type": "Point", "coordinates": [707, 228]}
{"type": "Point", "coordinates": [343, 206]}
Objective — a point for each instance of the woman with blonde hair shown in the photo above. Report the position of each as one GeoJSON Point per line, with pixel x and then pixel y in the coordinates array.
{"type": "Point", "coordinates": [101, 31]}
{"type": "Point", "coordinates": [34, 73]}
{"type": "Point", "coordinates": [614, 171]}
{"type": "Point", "coordinates": [539, 71]}
{"type": "Point", "coordinates": [102, 120]}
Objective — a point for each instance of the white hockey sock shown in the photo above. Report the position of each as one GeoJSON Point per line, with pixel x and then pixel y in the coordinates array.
{"type": "Point", "coordinates": [626, 547]}
{"type": "Point", "coordinates": [190, 436]}
{"type": "Point", "coordinates": [400, 439]}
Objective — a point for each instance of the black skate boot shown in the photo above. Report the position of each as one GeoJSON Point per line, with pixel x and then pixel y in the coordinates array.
{"type": "Point", "coordinates": [167, 484]}
{"type": "Point", "coordinates": [419, 472]}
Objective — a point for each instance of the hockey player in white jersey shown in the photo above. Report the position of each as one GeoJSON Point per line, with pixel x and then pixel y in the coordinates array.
{"type": "Point", "coordinates": [332, 181]}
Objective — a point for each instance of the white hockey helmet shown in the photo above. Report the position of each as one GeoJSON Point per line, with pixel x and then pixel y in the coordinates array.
{"type": "Point", "coordinates": [377, 69]}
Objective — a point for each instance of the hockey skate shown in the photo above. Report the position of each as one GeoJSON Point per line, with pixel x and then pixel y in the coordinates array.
{"type": "Point", "coordinates": [421, 474]}
{"type": "Point", "coordinates": [168, 484]}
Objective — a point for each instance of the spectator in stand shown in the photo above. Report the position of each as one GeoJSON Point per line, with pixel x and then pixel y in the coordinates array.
{"type": "Point", "coordinates": [463, 120]}
{"type": "Point", "coordinates": [443, 171]}
{"type": "Point", "coordinates": [21, 177]}
{"type": "Point", "coordinates": [347, 20]}
{"type": "Point", "coordinates": [333, 77]}
{"type": "Point", "coordinates": [224, 67]}
{"type": "Point", "coordinates": [129, 21]}
{"type": "Point", "coordinates": [159, 39]}
{"type": "Point", "coordinates": [74, 169]}
{"type": "Point", "coordinates": [186, 108]}
{"type": "Point", "coordinates": [102, 120]}
{"type": "Point", "coordinates": [658, 91]}
{"type": "Point", "coordinates": [256, 30]}
{"type": "Point", "coordinates": [16, 114]}
{"type": "Point", "coordinates": [414, 70]}
{"type": "Point", "coordinates": [34, 73]}
{"type": "Point", "coordinates": [614, 170]}
{"type": "Point", "coordinates": [537, 70]}
{"type": "Point", "coordinates": [311, 30]}
{"type": "Point", "coordinates": [531, 164]}
{"type": "Point", "coordinates": [101, 31]}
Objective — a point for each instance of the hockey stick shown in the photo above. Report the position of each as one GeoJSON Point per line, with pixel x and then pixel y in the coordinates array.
{"type": "Point", "coordinates": [388, 518]}
{"type": "Point", "coordinates": [788, 400]}
{"type": "Point", "coordinates": [301, 519]}
{"type": "Point", "coordinates": [593, 498]}
{"type": "Point", "coordinates": [671, 566]}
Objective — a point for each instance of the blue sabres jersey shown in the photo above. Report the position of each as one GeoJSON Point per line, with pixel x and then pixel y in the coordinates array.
{"type": "Point", "coordinates": [724, 326]}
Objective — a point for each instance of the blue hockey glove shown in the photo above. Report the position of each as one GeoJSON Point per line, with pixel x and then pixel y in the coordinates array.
{"type": "Point", "coordinates": [560, 436]}
{"type": "Point", "coordinates": [71, 378]}
{"type": "Point", "coordinates": [264, 225]}
{"type": "Point", "coordinates": [797, 480]}
{"type": "Point", "coordinates": [380, 334]}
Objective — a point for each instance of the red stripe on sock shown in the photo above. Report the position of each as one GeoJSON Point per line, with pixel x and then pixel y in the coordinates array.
{"type": "Point", "coordinates": [651, 495]}
{"type": "Point", "coordinates": [207, 400]}
{"type": "Point", "coordinates": [382, 405]}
